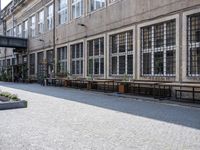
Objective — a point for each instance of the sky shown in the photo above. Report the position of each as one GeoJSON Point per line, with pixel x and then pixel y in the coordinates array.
{"type": "Point", "coordinates": [4, 3]}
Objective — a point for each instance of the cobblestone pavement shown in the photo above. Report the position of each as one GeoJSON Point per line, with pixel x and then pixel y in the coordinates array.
{"type": "Point", "coordinates": [65, 119]}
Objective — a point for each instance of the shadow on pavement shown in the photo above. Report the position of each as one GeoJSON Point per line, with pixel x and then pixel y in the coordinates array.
{"type": "Point", "coordinates": [185, 116]}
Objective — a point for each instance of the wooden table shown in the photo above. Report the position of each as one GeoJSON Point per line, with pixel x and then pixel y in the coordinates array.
{"type": "Point", "coordinates": [77, 83]}
{"type": "Point", "coordinates": [105, 83]}
{"type": "Point", "coordinates": [52, 81]}
{"type": "Point", "coordinates": [137, 86]}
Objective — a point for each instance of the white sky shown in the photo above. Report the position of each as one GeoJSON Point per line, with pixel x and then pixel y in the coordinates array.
{"type": "Point", "coordinates": [4, 3]}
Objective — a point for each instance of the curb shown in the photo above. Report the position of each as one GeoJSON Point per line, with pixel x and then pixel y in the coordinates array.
{"type": "Point", "coordinates": [13, 105]}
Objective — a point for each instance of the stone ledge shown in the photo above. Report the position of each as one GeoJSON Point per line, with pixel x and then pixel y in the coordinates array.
{"type": "Point", "coordinates": [13, 105]}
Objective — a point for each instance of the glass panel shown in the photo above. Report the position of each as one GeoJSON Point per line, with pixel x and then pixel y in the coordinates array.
{"type": "Point", "coordinates": [90, 66]}
{"type": "Point", "coordinates": [158, 63]}
{"type": "Point", "coordinates": [122, 42]}
{"type": "Point", "coordinates": [147, 63]}
{"type": "Point", "coordinates": [122, 64]}
{"type": "Point", "coordinates": [96, 66]}
{"type": "Point", "coordinates": [130, 64]}
{"type": "Point", "coordinates": [159, 35]}
{"type": "Point", "coordinates": [170, 65]}
{"type": "Point", "coordinates": [171, 33]}
{"type": "Point", "coordinates": [114, 65]}
{"type": "Point", "coordinates": [102, 66]}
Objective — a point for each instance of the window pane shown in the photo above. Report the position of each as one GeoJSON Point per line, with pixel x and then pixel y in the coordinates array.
{"type": "Point", "coordinates": [114, 65]}
{"type": "Point", "coordinates": [158, 63]}
{"type": "Point", "coordinates": [102, 66]}
{"type": "Point", "coordinates": [122, 42]}
{"type": "Point", "coordinates": [159, 35]}
{"type": "Point", "coordinates": [73, 51]}
{"type": "Point", "coordinates": [170, 65]}
{"type": "Point", "coordinates": [90, 48]}
{"type": "Point", "coordinates": [113, 42]}
{"type": "Point", "coordinates": [147, 37]}
{"type": "Point", "coordinates": [130, 41]}
{"type": "Point", "coordinates": [102, 46]}
{"type": "Point", "coordinates": [171, 33]}
{"type": "Point", "coordinates": [130, 64]}
{"type": "Point", "coordinates": [122, 64]}
{"type": "Point", "coordinates": [96, 47]}
{"type": "Point", "coordinates": [147, 63]}
{"type": "Point", "coordinates": [73, 67]}
{"type": "Point", "coordinates": [90, 66]}
{"type": "Point", "coordinates": [96, 66]}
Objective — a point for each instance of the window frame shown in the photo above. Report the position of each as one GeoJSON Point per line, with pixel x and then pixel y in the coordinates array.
{"type": "Point", "coordinates": [79, 59]}
{"type": "Point", "coordinates": [41, 19]}
{"type": "Point", "coordinates": [50, 15]}
{"type": "Point", "coordinates": [119, 54]}
{"type": "Point", "coordinates": [94, 57]}
{"type": "Point", "coordinates": [63, 12]}
{"type": "Point", "coordinates": [155, 49]}
{"type": "Point", "coordinates": [192, 46]}
{"type": "Point", "coordinates": [75, 4]}
{"type": "Point", "coordinates": [62, 60]}
{"type": "Point", "coordinates": [95, 7]}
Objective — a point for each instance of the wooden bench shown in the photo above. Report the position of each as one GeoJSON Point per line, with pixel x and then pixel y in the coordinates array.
{"type": "Point", "coordinates": [184, 87]}
{"type": "Point", "coordinates": [180, 91]}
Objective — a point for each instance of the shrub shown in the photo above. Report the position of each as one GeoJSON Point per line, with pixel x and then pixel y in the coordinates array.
{"type": "Point", "coordinates": [9, 95]}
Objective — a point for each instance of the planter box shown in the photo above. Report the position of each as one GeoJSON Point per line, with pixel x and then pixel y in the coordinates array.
{"type": "Point", "coordinates": [13, 104]}
{"type": "Point", "coordinates": [121, 89]}
{"type": "Point", "coordinates": [4, 99]}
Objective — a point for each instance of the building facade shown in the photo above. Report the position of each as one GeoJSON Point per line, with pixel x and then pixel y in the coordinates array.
{"type": "Point", "coordinates": [143, 40]}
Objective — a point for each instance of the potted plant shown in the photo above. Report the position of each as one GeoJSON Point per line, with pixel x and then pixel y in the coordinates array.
{"type": "Point", "coordinates": [67, 76]}
{"type": "Point", "coordinates": [122, 88]}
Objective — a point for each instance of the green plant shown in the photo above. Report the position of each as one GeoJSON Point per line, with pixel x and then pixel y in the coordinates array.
{"type": "Point", "coordinates": [14, 97]}
{"type": "Point", "coordinates": [5, 94]}
{"type": "Point", "coordinates": [125, 78]}
{"type": "Point", "coordinates": [10, 96]}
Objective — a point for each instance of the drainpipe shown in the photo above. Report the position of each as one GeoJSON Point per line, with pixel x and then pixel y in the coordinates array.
{"type": "Point", "coordinates": [54, 35]}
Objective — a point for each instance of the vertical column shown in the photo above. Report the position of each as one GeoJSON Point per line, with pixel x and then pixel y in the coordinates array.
{"type": "Point", "coordinates": [179, 41]}
{"type": "Point", "coordinates": [105, 56]}
{"type": "Point", "coordinates": [107, 60]}
{"type": "Point", "coordinates": [85, 59]}
{"type": "Point", "coordinates": [36, 63]}
{"type": "Point", "coordinates": [69, 58]}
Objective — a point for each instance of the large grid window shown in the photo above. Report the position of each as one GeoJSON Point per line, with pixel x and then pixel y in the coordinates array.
{"type": "Point", "coordinates": [77, 59]}
{"type": "Point", "coordinates": [77, 8]}
{"type": "Point", "coordinates": [50, 17]}
{"type": "Point", "coordinates": [62, 60]}
{"type": "Point", "coordinates": [41, 22]}
{"type": "Point", "coordinates": [63, 8]}
{"type": "Point", "coordinates": [193, 45]}
{"type": "Point", "coordinates": [32, 64]}
{"type": "Point", "coordinates": [96, 57]}
{"type": "Point", "coordinates": [96, 4]}
{"type": "Point", "coordinates": [121, 53]}
{"type": "Point", "coordinates": [158, 49]}
{"type": "Point", "coordinates": [32, 26]}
